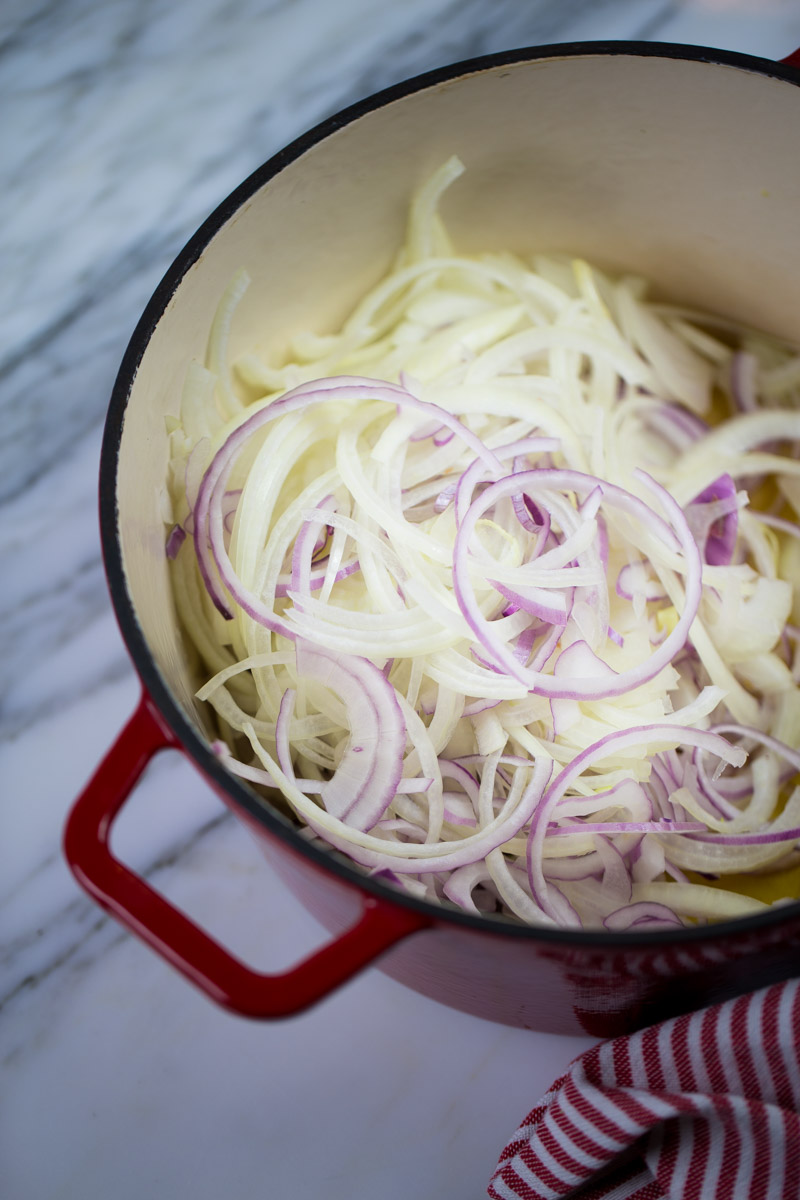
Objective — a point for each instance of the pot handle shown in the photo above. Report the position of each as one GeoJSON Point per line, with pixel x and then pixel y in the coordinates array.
{"type": "Point", "coordinates": [172, 934]}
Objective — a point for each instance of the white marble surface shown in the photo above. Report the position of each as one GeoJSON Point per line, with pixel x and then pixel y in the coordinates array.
{"type": "Point", "coordinates": [124, 123]}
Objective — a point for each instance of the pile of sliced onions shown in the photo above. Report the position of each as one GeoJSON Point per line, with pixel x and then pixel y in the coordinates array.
{"type": "Point", "coordinates": [499, 586]}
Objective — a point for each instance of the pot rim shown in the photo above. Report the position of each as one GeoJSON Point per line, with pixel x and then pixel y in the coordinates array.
{"type": "Point", "coordinates": [191, 743]}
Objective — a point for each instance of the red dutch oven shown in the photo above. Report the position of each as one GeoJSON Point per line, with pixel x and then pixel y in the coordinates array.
{"type": "Point", "coordinates": [677, 162]}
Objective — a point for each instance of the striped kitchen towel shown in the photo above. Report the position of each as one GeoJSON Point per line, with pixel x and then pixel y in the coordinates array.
{"type": "Point", "coordinates": [702, 1107]}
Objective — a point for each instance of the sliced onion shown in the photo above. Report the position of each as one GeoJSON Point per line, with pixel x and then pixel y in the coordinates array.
{"type": "Point", "coordinates": [644, 914]}
{"type": "Point", "coordinates": [177, 536]}
{"type": "Point", "coordinates": [581, 688]}
{"type": "Point", "coordinates": [713, 517]}
{"type": "Point", "coordinates": [498, 657]}
{"type": "Point", "coordinates": [633, 581]}
{"type": "Point", "coordinates": [367, 778]}
{"type": "Point", "coordinates": [711, 742]}
{"type": "Point", "coordinates": [347, 388]}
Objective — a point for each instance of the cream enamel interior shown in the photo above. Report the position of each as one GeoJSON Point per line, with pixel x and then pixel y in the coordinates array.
{"type": "Point", "coordinates": [685, 171]}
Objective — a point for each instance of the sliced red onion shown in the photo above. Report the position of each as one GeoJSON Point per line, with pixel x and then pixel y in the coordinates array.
{"type": "Point", "coordinates": [458, 810]}
{"type": "Point", "coordinates": [426, 431]}
{"type": "Point", "coordinates": [316, 578]}
{"type": "Point", "coordinates": [679, 426]}
{"type": "Point", "coordinates": [713, 517]}
{"type": "Point", "coordinates": [788, 753]}
{"type": "Point", "coordinates": [767, 837]}
{"type": "Point", "coordinates": [368, 776]}
{"type": "Point", "coordinates": [740, 786]}
{"type": "Point", "coordinates": [677, 874]}
{"type": "Point", "coordinates": [177, 536]}
{"type": "Point", "coordinates": [230, 503]}
{"type": "Point", "coordinates": [387, 876]}
{"type": "Point", "coordinates": [529, 515]}
{"type": "Point", "coordinates": [602, 827]}
{"type": "Point", "coordinates": [458, 772]}
{"type": "Point", "coordinates": [712, 742]}
{"type": "Point", "coordinates": [548, 605]}
{"type": "Point", "coordinates": [505, 776]}
{"type": "Point", "coordinates": [717, 796]}
{"type": "Point", "coordinates": [522, 646]}
{"type": "Point", "coordinates": [579, 659]}
{"type": "Point", "coordinates": [445, 497]}
{"type": "Point", "coordinates": [633, 581]}
{"type": "Point", "coordinates": [564, 715]}
{"type": "Point", "coordinates": [303, 552]}
{"type": "Point", "coordinates": [545, 651]}
{"type": "Point", "coordinates": [412, 786]}
{"type": "Point", "coordinates": [322, 542]}
{"type": "Point", "coordinates": [582, 688]}
{"type": "Point", "coordinates": [476, 472]}
{"type": "Point", "coordinates": [553, 902]}
{"type": "Point", "coordinates": [479, 706]}
{"type": "Point", "coordinates": [209, 544]}
{"type": "Point", "coordinates": [475, 846]}
{"type": "Point", "coordinates": [642, 914]}
{"type": "Point", "coordinates": [664, 770]}
{"type": "Point", "coordinates": [484, 660]}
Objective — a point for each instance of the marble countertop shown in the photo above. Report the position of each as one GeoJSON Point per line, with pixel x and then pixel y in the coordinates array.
{"type": "Point", "coordinates": [125, 123]}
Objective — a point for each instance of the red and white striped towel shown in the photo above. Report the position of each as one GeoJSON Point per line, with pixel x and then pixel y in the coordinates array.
{"type": "Point", "coordinates": [702, 1107]}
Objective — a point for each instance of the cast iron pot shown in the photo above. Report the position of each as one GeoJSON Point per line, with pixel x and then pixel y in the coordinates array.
{"type": "Point", "coordinates": [677, 162]}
